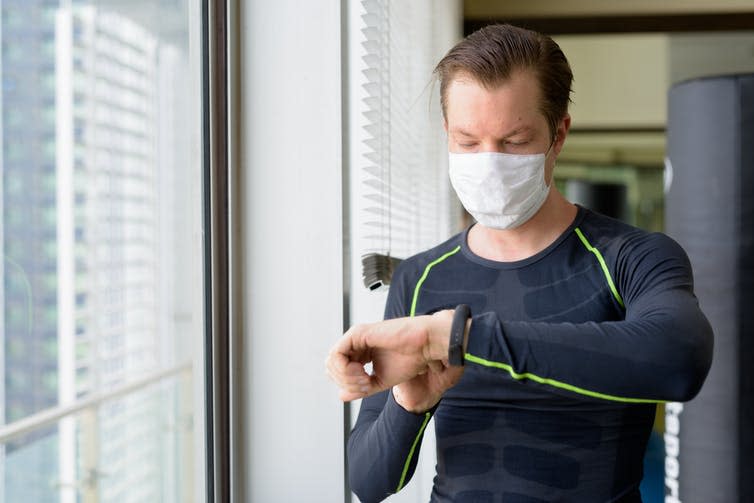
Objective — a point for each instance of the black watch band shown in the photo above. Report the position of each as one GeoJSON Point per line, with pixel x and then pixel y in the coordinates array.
{"type": "Point", "coordinates": [456, 355]}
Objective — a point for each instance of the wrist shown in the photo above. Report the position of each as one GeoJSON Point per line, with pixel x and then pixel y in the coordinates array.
{"type": "Point", "coordinates": [439, 334]}
{"type": "Point", "coordinates": [459, 335]}
{"type": "Point", "coordinates": [438, 342]}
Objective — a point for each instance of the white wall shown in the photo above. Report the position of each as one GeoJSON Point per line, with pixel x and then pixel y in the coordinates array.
{"type": "Point", "coordinates": [623, 80]}
{"type": "Point", "coordinates": [291, 422]}
{"type": "Point", "coordinates": [618, 80]}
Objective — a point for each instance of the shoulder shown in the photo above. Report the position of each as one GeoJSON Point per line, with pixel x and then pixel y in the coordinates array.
{"type": "Point", "coordinates": [622, 241]}
{"type": "Point", "coordinates": [413, 267]}
{"type": "Point", "coordinates": [639, 259]}
{"type": "Point", "coordinates": [409, 271]}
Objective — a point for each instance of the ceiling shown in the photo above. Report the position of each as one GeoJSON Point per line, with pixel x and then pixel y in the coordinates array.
{"type": "Point", "coordinates": [612, 16]}
{"type": "Point", "coordinates": [476, 9]}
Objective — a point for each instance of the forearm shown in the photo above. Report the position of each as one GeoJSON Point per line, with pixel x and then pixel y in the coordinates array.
{"type": "Point", "coordinates": [438, 328]}
{"type": "Point", "coordinates": [383, 447]}
{"type": "Point", "coordinates": [660, 352]}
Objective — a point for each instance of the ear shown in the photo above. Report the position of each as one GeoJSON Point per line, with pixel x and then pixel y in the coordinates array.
{"type": "Point", "coordinates": [561, 133]}
{"type": "Point", "coordinates": [445, 125]}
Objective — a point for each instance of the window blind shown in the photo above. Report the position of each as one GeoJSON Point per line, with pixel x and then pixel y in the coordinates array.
{"type": "Point", "coordinates": [404, 194]}
{"type": "Point", "coordinates": [399, 195]}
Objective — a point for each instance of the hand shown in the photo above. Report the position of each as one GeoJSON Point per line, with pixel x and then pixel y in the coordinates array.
{"type": "Point", "coordinates": [400, 350]}
{"type": "Point", "coordinates": [422, 392]}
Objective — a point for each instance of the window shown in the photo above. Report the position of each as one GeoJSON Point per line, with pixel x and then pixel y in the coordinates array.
{"type": "Point", "coordinates": [101, 325]}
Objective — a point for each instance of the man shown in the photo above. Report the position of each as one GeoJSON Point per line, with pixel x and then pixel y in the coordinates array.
{"type": "Point", "coordinates": [579, 324]}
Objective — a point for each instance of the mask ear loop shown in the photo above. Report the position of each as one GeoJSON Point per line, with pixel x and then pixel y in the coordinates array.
{"type": "Point", "coordinates": [554, 139]}
{"type": "Point", "coordinates": [547, 152]}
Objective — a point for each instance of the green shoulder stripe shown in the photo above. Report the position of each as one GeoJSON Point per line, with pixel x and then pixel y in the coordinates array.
{"type": "Point", "coordinates": [426, 273]}
{"type": "Point", "coordinates": [603, 265]}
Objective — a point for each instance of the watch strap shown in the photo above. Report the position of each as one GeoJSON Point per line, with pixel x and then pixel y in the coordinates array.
{"type": "Point", "coordinates": [456, 356]}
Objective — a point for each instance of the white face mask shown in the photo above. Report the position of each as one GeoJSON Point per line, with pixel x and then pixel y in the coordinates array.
{"type": "Point", "coordinates": [501, 191]}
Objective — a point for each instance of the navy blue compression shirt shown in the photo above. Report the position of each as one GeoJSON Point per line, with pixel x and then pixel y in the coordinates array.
{"type": "Point", "coordinates": [568, 354]}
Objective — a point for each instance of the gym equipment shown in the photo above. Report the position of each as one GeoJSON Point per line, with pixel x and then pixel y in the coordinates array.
{"type": "Point", "coordinates": [709, 441]}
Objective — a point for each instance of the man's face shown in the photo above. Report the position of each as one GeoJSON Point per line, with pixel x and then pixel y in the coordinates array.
{"type": "Point", "coordinates": [504, 119]}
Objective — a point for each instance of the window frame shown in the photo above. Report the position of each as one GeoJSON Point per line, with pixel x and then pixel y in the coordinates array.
{"type": "Point", "coordinates": [216, 248]}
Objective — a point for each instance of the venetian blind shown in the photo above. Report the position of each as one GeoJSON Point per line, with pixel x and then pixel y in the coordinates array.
{"type": "Point", "coordinates": [403, 195]}
{"type": "Point", "coordinates": [399, 193]}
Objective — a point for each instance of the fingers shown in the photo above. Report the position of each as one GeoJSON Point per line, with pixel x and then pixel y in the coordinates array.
{"type": "Point", "coordinates": [343, 370]}
{"type": "Point", "coordinates": [347, 396]}
{"type": "Point", "coordinates": [435, 365]}
{"type": "Point", "coordinates": [450, 376]}
{"type": "Point", "coordinates": [348, 374]}
{"type": "Point", "coordinates": [398, 345]}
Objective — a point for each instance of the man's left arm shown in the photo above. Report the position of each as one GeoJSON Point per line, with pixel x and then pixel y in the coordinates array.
{"type": "Point", "coordinates": [661, 351]}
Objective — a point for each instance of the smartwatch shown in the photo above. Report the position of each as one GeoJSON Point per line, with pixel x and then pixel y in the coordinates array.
{"type": "Point", "coordinates": [456, 356]}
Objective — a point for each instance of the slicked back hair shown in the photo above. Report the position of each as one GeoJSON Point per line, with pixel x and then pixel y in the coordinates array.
{"type": "Point", "coordinates": [492, 54]}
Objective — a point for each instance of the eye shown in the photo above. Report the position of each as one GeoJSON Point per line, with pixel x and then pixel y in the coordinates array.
{"type": "Point", "coordinates": [467, 145]}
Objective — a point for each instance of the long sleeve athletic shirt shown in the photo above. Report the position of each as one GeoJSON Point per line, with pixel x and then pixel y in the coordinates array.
{"type": "Point", "coordinates": [568, 353]}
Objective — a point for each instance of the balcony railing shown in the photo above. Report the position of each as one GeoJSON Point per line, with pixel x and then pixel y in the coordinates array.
{"type": "Point", "coordinates": [107, 443]}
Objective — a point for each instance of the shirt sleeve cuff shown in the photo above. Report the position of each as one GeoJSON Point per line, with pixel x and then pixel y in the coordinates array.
{"type": "Point", "coordinates": [396, 413]}
{"type": "Point", "coordinates": [479, 339]}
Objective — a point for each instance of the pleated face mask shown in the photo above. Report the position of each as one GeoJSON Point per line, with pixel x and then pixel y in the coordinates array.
{"type": "Point", "coordinates": [501, 191]}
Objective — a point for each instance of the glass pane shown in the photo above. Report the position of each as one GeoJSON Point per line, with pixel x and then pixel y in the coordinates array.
{"type": "Point", "coordinates": [114, 456]}
{"type": "Point", "coordinates": [101, 233]}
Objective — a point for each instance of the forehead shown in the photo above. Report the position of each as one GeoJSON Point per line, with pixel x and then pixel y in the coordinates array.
{"type": "Point", "coordinates": [515, 102]}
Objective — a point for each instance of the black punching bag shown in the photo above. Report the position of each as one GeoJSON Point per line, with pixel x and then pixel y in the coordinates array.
{"type": "Point", "coordinates": [610, 199]}
{"type": "Point", "coordinates": [710, 212]}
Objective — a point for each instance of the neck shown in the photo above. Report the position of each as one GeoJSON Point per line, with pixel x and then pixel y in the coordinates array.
{"type": "Point", "coordinates": [536, 234]}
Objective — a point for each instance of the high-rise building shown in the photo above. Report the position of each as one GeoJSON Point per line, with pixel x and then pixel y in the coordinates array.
{"type": "Point", "coordinates": [92, 126]}
{"type": "Point", "coordinates": [107, 112]}
{"type": "Point", "coordinates": [29, 221]}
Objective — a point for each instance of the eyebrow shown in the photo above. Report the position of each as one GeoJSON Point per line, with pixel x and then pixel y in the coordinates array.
{"type": "Point", "coordinates": [516, 131]}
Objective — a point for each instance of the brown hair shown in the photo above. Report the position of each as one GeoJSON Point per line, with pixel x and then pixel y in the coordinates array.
{"type": "Point", "coordinates": [490, 55]}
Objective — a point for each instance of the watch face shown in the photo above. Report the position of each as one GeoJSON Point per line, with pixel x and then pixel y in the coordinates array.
{"type": "Point", "coordinates": [457, 332]}
{"type": "Point", "coordinates": [455, 356]}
